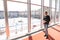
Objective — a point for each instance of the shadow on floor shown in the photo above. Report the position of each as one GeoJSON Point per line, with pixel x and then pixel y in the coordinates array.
{"type": "Point", "coordinates": [49, 37]}
{"type": "Point", "coordinates": [58, 25]}
{"type": "Point", "coordinates": [55, 29]}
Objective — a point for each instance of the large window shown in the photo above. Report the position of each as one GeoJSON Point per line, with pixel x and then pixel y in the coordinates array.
{"type": "Point", "coordinates": [21, 20]}
{"type": "Point", "coordinates": [35, 18]}
{"type": "Point", "coordinates": [18, 19]}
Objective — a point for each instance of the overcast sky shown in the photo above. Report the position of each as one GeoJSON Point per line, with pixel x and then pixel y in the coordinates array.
{"type": "Point", "coordinates": [13, 6]}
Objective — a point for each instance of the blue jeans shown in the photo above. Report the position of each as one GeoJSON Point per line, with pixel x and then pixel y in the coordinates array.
{"type": "Point", "coordinates": [46, 29]}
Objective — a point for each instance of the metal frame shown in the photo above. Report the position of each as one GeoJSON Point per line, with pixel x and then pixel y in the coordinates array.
{"type": "Point", "coordinates": [29, 15]}
{"type": "Point", "coordinates": [55, 11]}
{"type": "Point", "coordinates": [42, 11]}
{"type": "Point", "coordinates": [50, 10]}
{"type": "Point", "coordinates": [59, 10]}
{"type": "Point", "coordinates": [6, 18]}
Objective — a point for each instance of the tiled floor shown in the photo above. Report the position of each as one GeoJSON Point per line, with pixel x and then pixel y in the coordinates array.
{"type": "Point", "coordinates": [54, 34]}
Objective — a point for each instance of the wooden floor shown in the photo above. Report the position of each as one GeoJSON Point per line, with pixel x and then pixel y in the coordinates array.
{"type": "Point", "coordinates": [54, 34]}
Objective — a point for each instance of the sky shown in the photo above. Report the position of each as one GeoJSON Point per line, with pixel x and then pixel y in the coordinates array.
{"type": "Point", "coordinates": [14, 6]}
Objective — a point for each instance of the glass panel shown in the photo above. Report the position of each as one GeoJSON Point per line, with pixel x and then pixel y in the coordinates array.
{"type": "Point", "coordinates": [57, 12]}
{"type": "Point", "coordinates": [53, 3]}
{"type": "Point", "coordinates": [57, 17]}
{"type": "Point", "coordinates": [38, 2]}
{"type": "Point", "coordinates": [46, 3]}
{"type": "Point", "coordinates": [13, 6]}
{"type": "Point", "coordinates": [57, 5]}
{"type": "Point", "coordinates": [2, 22]}
{"type": "Point", "coordinates": [18, 20]}
{"type": "Point", "coordinates": [35, 18]}
{"type": "Point", "coordinates": [52, 16]}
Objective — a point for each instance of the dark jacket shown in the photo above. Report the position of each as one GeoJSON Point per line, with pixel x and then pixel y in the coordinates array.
{"type": "Point", "coordinates": [47, 19]}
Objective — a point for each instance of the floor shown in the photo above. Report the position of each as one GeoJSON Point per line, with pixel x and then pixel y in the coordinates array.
{"type": "Point", "coordinates": [54, 34]}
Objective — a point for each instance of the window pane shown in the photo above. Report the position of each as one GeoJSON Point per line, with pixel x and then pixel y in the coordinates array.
{"type": "Point", "coordinates": [46, 3]}
{"type": "Point", "coordinates": [52, 16]}
{"type": "Point", "coordinates": [18, 20]}
{"type": "Point", "coordinates": [35, 18]}
{"type": "Point", "coordinates": [57, 5]}
{"type": "Point", "coordinates": [36, 2]}
{"type": "Point", "coordinates": [57, 12]}
{"type": "Point", "coordinates": [13, 6]}
{"type": "Point", "coordinates": [53, 3]}
{"type": "Point", "coordinates": [57, 17]}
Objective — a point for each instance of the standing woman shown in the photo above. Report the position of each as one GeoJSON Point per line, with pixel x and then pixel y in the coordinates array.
{"type": "Point", "coordinates": [46, 20]}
